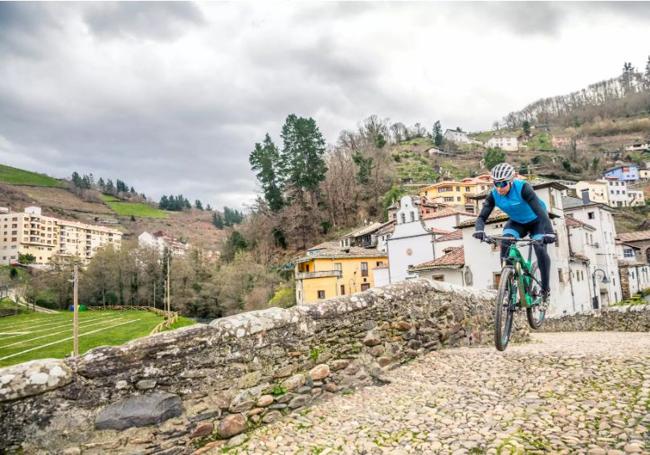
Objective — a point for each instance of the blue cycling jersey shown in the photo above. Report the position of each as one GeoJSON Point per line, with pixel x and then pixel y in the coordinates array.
{"type": "Point", "coordinates": [514, 205]}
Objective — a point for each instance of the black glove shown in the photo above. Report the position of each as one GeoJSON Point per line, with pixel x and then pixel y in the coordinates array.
{"type": "Point", "coordinates": [479, 235]}
{"type": "Point", "coordinates": [548, 238]}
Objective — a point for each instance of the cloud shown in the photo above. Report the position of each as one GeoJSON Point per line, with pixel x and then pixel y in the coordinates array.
{"type": "Point", "coordinates": [142, 20]}
{"type": "Point", "coordinates": [171, 97]}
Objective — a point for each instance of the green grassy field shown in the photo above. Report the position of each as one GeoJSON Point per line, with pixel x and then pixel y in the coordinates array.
{"type": "Point", "coordinates": [15, 176]}
{"type": "Point", "coordinates": [37, 336]}
{"type": "Point", "coordinates": [133, 208]}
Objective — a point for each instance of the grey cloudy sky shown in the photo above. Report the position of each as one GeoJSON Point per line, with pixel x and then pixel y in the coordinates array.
{"type": "Point", "coordinates": [171, 97]}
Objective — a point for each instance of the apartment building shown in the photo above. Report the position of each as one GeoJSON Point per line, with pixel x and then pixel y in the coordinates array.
{"type": "Point", "coordinates": [82, 240]}
{"type": "Point", "coordinates": [32, 233]}
{"type": "Point", "coordinates": [25, 233]}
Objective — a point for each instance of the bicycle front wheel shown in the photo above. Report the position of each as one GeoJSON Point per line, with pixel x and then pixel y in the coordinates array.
{"type": "Point", "coordinates": [505, 308]}
{"type": "Point", "coordinates": [536, 313]}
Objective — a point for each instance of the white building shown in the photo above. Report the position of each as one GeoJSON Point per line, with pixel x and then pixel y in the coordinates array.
{"type": "Point", "coordinates": [460, 137]}
{"type": "Point", "coordinates": [410, 243]}
{"type": "Point", "coordinates": [578, 252]}
{"type": "Point", "coordinates": [634, 271]}
{"type": "Point", "coordinates": [160, 241]}
{"type": "Point", "coordinates": [603, 259]}
{"type": "Point", "coordinates": [612, 192]}
{"type": "Point", "coordinates": [507, 143]}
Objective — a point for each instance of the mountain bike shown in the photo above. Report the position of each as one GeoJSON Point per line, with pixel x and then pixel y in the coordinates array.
{"type": "Point", "coordinates": [520, 286]}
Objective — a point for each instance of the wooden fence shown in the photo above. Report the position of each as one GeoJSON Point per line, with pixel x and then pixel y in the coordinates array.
{"type": "Point", "coordinates": [170, 317]}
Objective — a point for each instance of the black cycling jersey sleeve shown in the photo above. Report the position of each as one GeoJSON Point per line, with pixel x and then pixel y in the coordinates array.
{"type": "Point", "coordinates": [528, 195]}
{"type": "Point", "coordinates": [488, 206]}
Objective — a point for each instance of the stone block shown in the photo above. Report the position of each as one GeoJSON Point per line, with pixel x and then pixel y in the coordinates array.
{"type": "Point", "coordinates": [139, 411]}
{"type": "Point", "coordinates": [33, 378]}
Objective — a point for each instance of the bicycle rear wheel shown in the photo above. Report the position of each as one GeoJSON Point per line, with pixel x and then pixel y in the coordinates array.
{"type": "Point", "coordinates": [535, 313]}
{"type": "Point", "coordinates": [505, 308]}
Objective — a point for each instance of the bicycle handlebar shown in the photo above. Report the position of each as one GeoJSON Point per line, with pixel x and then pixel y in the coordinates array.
{"type": "Point", "coordinates": [494, 238]}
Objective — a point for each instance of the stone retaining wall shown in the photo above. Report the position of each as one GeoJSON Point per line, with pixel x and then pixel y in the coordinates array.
{"type": "Point", "coordinates": [175, 391]}
{"type": "Point", "coordinates": [633, 318]}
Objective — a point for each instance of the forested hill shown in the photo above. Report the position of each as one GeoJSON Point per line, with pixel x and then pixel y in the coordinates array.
{"type": "Point", "coordinates": [623, 96]}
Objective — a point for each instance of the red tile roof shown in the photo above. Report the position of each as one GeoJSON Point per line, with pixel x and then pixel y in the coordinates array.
{"type": "Point", "coordinates": [634, 236]}
{"type": "Point", "coordinates": [454, 235]}
{"type": "Point", "coordinates": [454, 259]}
{"type": "Point", "coordinates": [449, 211]}
{"type": "Point", "coordinates": [573, 223]}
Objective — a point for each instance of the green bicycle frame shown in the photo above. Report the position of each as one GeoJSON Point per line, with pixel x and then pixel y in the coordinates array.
{"type": "Point", "coordinates": [523, 270]}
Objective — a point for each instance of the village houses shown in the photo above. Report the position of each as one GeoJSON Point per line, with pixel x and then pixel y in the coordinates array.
{"type": "Point", "coordinates": [161, 242]}
{"type": "Point", "coordinates": [458, 136]}
{"type": "Point", "coordinates": [507, 143]}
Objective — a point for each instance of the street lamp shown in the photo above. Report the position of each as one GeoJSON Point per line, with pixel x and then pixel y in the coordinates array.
{"type": "Point", "coordinates": [605, 280]}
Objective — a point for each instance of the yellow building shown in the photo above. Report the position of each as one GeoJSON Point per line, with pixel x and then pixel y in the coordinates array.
{"type": "Point", "coordinates": [43, 237]}
{"type": "Point", "coordinates": [455, 192]}
{"type": "Point", "coordinates": [330, 270]}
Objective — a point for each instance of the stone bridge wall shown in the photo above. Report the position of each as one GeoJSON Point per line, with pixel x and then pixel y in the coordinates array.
{"type": "Point", "coordinates": [632, 318]}
{"type": "Point", "coordinates": [174, 391]}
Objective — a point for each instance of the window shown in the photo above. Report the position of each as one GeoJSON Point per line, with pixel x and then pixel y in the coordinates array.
{"type": "Point", "coordinates": [438, 277]}
{"type": "Point", "coordinates": [342, 289]}
{"type": "Point", "coordinates": [403, 217]}
{"type": "Point", "coordinates": [365, 286]}
{"type": "Point", "coordinates": [458, 188]}
{"type": "Point", "coordinates": [449, 199]}
{"type": "Point", "coordinates": [364, 269]}
{"type": "Point", "coordinates": [321, 294]}
{"type": "Point", "coordinates": [628, 253]}
{"type": "Point", "coordinates": [412, 216]}
{"type": "Point", "coordinates": [560, 275]}
{"type": "Point", "coordinates": [458, 198]}
{"type": "Point", "coordinates": [380, 263]}
{"type": "Point", "coordinates": [591, 215]}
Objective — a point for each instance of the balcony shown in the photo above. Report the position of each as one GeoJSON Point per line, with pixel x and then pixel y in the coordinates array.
{"type": "Point", "coordinates": [320, 274]}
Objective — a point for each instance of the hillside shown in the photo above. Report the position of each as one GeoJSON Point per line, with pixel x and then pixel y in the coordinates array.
{"type": "Point", "coordinates": [20, 188]}
{"type": "Point", "coordinates": [16, 176]}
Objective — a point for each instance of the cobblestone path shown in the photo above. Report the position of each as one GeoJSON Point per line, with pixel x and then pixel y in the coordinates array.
{"type": "Point", "coordinates": [563, 393]}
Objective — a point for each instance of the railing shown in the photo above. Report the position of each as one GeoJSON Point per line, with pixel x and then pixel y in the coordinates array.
{"type": "Point", "coordinates": [320, 274]}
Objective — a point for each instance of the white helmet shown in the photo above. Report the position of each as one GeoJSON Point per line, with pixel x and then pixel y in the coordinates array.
{"type": "Point", "coordinates": [502, 172]}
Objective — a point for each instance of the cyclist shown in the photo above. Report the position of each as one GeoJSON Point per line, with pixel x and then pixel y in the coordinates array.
{"type": "Point", "coordinates": [527, 214]}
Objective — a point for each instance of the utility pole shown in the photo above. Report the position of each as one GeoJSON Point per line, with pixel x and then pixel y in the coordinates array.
{"type": "Point", "coordinates": [75, 318]}
{"type": "Point", "coordinates": [169, 288]}
{"type": "Point", "coordinates": [154, 294]}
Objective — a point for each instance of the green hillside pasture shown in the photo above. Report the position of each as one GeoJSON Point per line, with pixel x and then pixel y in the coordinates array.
{"type": "Point", "coordinates": [14, 176]}
{"type": "Point", "coordinates": [133, 208]}
{"type": "Point", "coordinates": [38, 336]}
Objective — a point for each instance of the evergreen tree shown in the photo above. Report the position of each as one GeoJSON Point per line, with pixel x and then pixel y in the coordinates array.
{"type": "Point", "coordinates": [264, 160]}
{"type": "Point", "coordinates": [526, 127]}
{"type": "Point", "coordinates": [365, 167]}
{"type": "Point", "coordinates": [217, 220]}
{"type": "Point", "coordinates": [437, 133]}
{"type": "Point", "coordinates": [76, 179]}
{"type": "Point", "coordinates": [132, 190]}
{"type": "Point", "coordinates": [110, 188]}
{"type": "Point", "coordinates": [627, 77]}
{"type": "Point", "coordinates": [235, 243]}
{"type": "Point", "coordinates": [101, 184]}
{"type": "Point", "coordinates": [86, 182]}
{"type": "Point", "coordinates": [301, 160]}
{"type": "Point", "coordinates": [646, 75]}
{"type": "Point", "coordinates": [494, 156]}
{"type": "Point", "coordinates": [198, 205]}
{"type": "Point", "coordinates": [208, 208]}
{"type": "Point", "coordinates": [164, 203]}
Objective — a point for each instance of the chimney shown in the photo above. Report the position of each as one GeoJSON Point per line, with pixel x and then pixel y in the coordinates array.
{"type": "Point", "coordinates": [585, 196]}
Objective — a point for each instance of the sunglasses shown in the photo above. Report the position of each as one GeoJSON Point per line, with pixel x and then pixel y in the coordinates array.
{"type": "Point", "coordinates": [501, 184]}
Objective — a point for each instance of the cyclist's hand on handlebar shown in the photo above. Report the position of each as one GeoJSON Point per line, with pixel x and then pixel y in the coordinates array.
{"type": "Point", "coordinates": [549, 238]}
{"type": "Point", "coordinates": [479, 235]}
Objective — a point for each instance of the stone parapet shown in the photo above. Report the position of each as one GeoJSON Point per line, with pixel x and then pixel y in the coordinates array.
{"type": "Point", "coordinates": [175, 391]}
{"type": "Point", "coordinates": [631, 318]}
